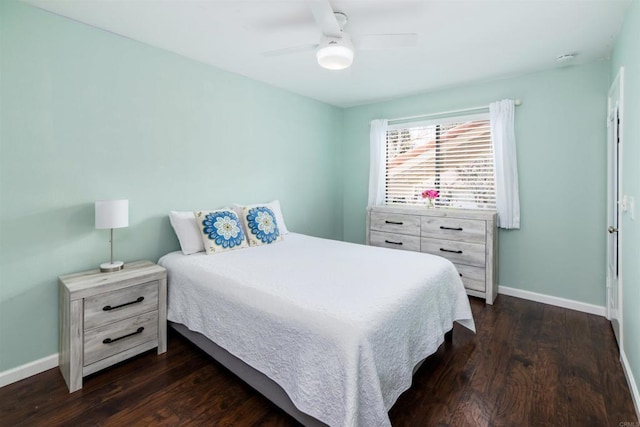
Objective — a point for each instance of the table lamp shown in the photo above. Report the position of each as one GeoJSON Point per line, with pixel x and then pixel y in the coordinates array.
{"type": "Point", "coordinates": [112, 214]}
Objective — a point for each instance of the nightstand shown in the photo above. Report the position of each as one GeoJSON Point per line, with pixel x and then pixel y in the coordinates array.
{"type": "Point", "coordinates": [105, 318]}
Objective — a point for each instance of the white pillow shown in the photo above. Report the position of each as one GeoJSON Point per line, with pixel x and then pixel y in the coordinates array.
{"type": "Point", "coordinates": [186, 228]}
{"type": "Point", "coordinates": [274, 206]}
{"type": "Point", "coordinates": [221, 230]}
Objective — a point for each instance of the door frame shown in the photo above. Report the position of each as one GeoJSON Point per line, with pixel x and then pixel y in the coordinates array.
{"type": "Point", "coordinates": [616, 85]}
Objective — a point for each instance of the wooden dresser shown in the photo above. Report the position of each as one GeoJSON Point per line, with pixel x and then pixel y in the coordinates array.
{"type": "Point", "coordinates": [105, 318]}
{"type": "Point", "coordinates": [468, 238]}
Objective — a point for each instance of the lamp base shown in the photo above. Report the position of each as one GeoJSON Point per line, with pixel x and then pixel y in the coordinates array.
{"type": "Point", "coordinates": [109, 267]}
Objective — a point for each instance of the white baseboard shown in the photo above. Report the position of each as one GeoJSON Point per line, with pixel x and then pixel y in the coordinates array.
{"type": "Point", "coordinates": [25, 371]}
{"type": "Point", "coordinates": [551, 300]}
{"type": "Point", "coordinates": [635, 396]}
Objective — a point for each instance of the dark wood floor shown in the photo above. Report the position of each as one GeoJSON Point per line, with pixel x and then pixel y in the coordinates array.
{"type": "Point", "coordinates": [528, 365]}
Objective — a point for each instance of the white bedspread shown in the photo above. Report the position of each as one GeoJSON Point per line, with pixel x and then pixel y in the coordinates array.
{"type": "Point", "coordinates": [339, 326]}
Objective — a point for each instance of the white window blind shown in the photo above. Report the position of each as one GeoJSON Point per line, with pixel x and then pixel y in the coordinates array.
{"type": "Point", "coordinates": [452, 155]}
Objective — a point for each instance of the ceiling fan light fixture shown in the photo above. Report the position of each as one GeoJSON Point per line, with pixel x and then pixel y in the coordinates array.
{"type": "Point", "coordinates": [335, 53]}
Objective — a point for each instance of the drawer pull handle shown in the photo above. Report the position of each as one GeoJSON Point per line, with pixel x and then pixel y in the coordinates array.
{"type": "Point", "coordinates": [393, 243]}
{"type": "Point", "coordinates": [109, 308]}
{"type": "Point", "coordinates": [449, 250]}
{"type": "Point", "coordinates": [109, 340]}
{"type": "Point", "coordinates": [451, 228]}
{"type": "Point", "coordinates": [394, 222]}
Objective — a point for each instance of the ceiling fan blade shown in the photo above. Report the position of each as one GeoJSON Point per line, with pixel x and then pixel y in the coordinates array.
{"type": "Point", "coordinates": [325, 18]}
{"type": "Point", "coordinates": [385, 41]}
{"type": "Point", "coordinates": [289, 50]}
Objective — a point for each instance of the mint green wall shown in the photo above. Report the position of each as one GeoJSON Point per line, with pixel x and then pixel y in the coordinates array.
{"type": "Point", "coordinates": [87, 115]}
{"type": "Point", "coordinates": [561, 140]}
{"type": "Point", "coordinates": [627, 53]}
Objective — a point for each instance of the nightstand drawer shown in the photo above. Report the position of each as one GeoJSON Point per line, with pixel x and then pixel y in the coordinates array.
{"type": "Point", "coordinates": [465, 230]}
{"type": "Point", "coordinates": [113, 306]}
{"type": "Point", "coordinates": [394, 241]}
{"type": "Point", "coordinates": [457, 252]}
{"type": "Point", "coordinates": [472, 277]}
{"type": "Point", "coordinates": [396, 223]}
{"type": "Point", "coordinates": [114, 338]}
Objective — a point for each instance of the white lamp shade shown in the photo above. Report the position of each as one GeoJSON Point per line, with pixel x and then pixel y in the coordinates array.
{"type": "Point", "coordinates": [112, 213]}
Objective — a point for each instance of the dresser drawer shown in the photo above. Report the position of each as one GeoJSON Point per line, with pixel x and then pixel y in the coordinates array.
{"type": "Point", "coordinates": [395, 223]}
{"type": "Point", "coordinates": [394, 241]}
{"type": "Point", "coordinates": [466, 230]}
{"type": "Point", "coordinates": [113, 306]}
{"type": "Point", "coordinates": [472, 277]}
{"type": "Point", "coordinates": [457, 252]}
{"type": "Point", "coordinates": [123, 335]}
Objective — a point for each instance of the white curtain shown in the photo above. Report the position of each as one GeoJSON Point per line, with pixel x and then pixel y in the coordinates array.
{"type": "Point", "coordinates": [378, 139]}
{"type": "Point", "coordinates": [505, 165]}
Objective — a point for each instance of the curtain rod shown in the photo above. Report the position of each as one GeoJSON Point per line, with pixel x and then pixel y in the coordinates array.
{"type": "Point", "coordinates": [517, 102]}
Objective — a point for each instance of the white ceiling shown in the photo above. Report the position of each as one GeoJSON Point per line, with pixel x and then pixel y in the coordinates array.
{"type": "Point", "coordinates": [459, 41]}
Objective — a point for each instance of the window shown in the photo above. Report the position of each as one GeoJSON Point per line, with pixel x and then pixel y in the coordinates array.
{"type": "Point", "coordinates": [453, 156]}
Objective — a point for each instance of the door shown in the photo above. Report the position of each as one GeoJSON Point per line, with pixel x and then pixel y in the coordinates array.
{"type": "Point", "coordinates": [614, 205]}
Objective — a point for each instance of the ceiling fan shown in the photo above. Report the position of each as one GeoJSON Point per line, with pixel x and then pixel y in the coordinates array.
{"type": "Point", "coordinates": [336, 47]}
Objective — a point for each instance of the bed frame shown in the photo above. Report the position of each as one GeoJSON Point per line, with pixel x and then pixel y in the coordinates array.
{"type": "Point", "coordinates": [256, 379]}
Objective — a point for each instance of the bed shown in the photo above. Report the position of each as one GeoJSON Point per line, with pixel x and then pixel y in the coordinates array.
{"type": "Point", "coordinates": [330, 331]}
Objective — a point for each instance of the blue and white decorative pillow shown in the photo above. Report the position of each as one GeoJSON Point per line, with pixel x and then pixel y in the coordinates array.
{"type": "Point", "coordinates": [261, 224]}
{"type": "Point", "coordinates": [221, 230]}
